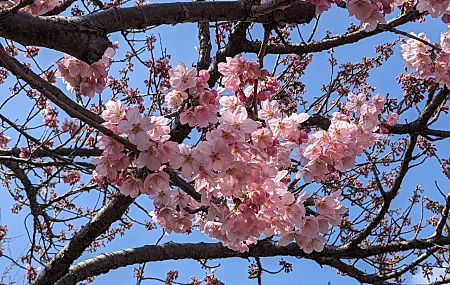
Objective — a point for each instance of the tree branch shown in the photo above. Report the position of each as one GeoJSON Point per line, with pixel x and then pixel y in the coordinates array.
{"type": "Point", "coordinates": [80, 241]}
{"type": "Point", "coordinates": [85, 37]}
{"type": "Point", "coordinates": [71, 152]}
{"type": "Point", "coordinates": [390, 195]}
{"type": "Point", "coordinates": [176, 251]}
{"type": "Point", "coordinates": [326, 44]}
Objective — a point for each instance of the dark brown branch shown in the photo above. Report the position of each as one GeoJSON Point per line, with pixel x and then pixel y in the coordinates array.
{"type": "Point", "coordinates": [326, 44]}
{"type": "Point", "coordinates": [113, 20]}
{"type": "Point", "coordinates": [444, 216]}
{"type": "Point", "coordinates": [349, 270]}
{"type": "Point", "coordinates": [73, 35]}
{"type": "Point", "coordinates": [71, 152]}
{"type": "Point", "coordinates": [389, 196]}
{"type": "Point", "coordinates": [76, 246]}
{"type": "Point", "coordinates": [176, 251]}
{"type": "Point", "coordinates": [413, 264]}
{"type": "Point", "coordinates": [180, 182]}
{"type": "Point", "coordinates": [29, 188]}
{"type": "Point", "coordinates": [204, 51]}
{"type": "Point", "coordinates": [86, 37]}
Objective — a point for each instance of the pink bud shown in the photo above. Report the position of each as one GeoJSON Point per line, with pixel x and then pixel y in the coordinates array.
{"type": "Point", "coordinates": [446, 18]}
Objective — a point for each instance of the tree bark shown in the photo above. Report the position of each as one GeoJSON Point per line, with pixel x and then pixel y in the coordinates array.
{"type": "Point", "coordinates": [176, 251]}
{"type": "Point", "coordinates": [86, 38]}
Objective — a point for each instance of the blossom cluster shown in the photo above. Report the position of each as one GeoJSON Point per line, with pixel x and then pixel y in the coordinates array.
{"type": "Point", "coordinates": [345, 139]}
{"type": "Point", "coordinates": [240, 166]}
{"type": "Point", "coordinates": [369, 12]}
{"type": "Point", "coordinates": [3, 231]}
{"type": "Point", "coordinates": [435, 8]}
{"type": "Point", "coordinates": [4, 140]}
{"type": "Point", "coordinates": [38, 7]}
{"type": "Point", "coordinates": [85, 79]}
{"type": "Point", "coordinates": [372, 12]}
{"type": "Point", "coordinates": [420, 57]}
{"type": "Point", "coordinates": [204, 103]}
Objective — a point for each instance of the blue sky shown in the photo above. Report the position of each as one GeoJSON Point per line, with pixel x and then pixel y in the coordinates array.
{"type": "Point", "coordinates": [180, 42]}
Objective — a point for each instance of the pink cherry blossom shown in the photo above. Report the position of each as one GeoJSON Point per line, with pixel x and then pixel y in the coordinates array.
{"type": "Point", "coordinates": [216, 154]}
{"type": "Point", "coordinates": [229, 103]}
{"type": "Point", "coordinates": [361, 9]}
{"type": "Point", "coordinates": [287, 237]}
{"type": "Point", "coordinates": [156, 181]}
{"type": "Point", "coordinates": [284, 128]}
{"type": "Point", "coordinates": [310, 244]}
{"type": "Point", "coordinates": [136, 127]}
{"type": "Point", "coordinates": [114, 112]}
{"type": "Point", "coordinates": [188, 117]}
{"type": "Point", "coordinates": [355, 102]}
{"type": "Point", "coordinates": [262, 138]}
{"type": "Point", "coordinates": [132, 187]}
{"type": "Point", "coordinates": [82, 77]}
{"type": "Point", "coordinates": [175, 98]}
{"type": "Point", "coordinates": [370, 23]}
{"type": "Point", "coordinates": [151, 158]}
{"type": "Point", "coordinates": [434, 7]}
{"type": "Point", "coordinates": [186, 160]}
{"type": "Point", "coordinates": [392, 119]}
{"type": "Point", "coordinates": [4, 140]}
{"type": "Point", "coordinates": [239, 166]}
{"type": "Point", "coordinates": [239, 120]}
{"type": "Point", "coordinates": [160, 127]}
{"type": "Point", "coordinates": [181, 77]}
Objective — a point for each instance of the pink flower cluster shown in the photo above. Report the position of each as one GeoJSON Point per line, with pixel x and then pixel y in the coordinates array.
{"type": "Point", "coordinates": [39, 7]}
{"type": "Point", "coordinates": [69, 126]}
{"type": "Point", "coordinates": [31, 272]}
{"type": "Point", "coordinates": [83, 78]}
{"type": "Point", "coordinates": [150, 135]}
{"type": "Point", "coordinates": [435, 8]}
{"type": "Point", "coordinates": [4, 140]}
{"type": "Point", "coordinates": [49, 113]}
{"type": "Point", "coordinates": [71, 176]}
{"type": "Point", "coordinates": [240, 165]}
{"type": "Point", "coordinates": [372, 12]}
{"type": "Point", "coordinates": [345, 139]}
{"type": "Point", "coordinates": [204, 103]}
{"type": "Point", "coordinates": [369, 12]}
{"type": "Point", "coordinates": [417, 55]}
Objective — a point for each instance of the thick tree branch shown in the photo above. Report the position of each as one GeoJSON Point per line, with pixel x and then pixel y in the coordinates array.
{"type": "Point", "coordinates": [76, 36]}
{"type": "Point", "coordinates": [113, 20]}
{"type": "Point", "coordinates": [204, 51]}
{"type": "Point", "coordinates": [85, 37]}
{"type": "Point", "coordinates": [176, 251]}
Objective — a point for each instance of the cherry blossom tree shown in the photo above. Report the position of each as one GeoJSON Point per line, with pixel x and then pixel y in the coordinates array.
{"type": "Point", "coordinates": [112, 137]}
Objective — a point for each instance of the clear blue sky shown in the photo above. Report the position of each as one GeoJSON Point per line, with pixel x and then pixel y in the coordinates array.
{"type": "Point", "coordinates": [180, 41]}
